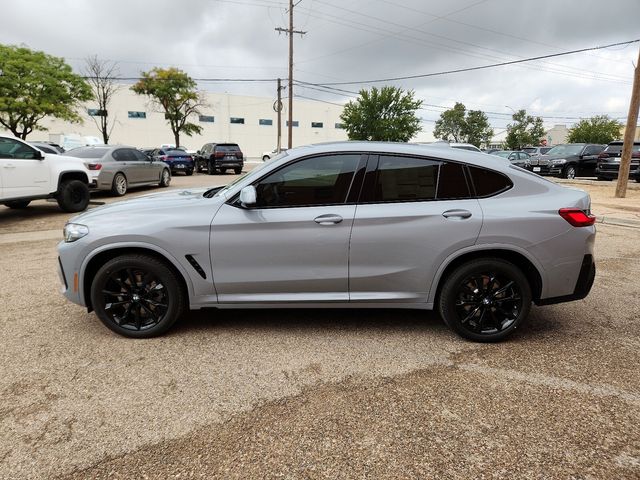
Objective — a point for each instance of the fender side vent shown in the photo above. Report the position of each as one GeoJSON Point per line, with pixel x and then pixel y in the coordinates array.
{"type": "Point", "coordinates": [196, 266]}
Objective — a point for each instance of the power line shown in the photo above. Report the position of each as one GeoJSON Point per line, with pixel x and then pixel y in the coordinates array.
{"type": "Point", "coordinates": [480, 67]}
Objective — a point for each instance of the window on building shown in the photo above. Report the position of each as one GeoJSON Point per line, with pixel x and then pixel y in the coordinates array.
{"type": "Point", "coordinates": [137, 114]}
{"type": "Point", "coordinates": [237, 120]}
{"type": "Point", "coordinates": [317, 125]}
{"type": "Point", "coordinates": [340, 125]}
{"type": "Point", "coordinates": [265, 121]}
{"type": "Point", "coordinates": [95, 112]}
{"type": "Point", "coordinates": [293, 123]}
{"type": "Point", "coordinates": [206, 118]}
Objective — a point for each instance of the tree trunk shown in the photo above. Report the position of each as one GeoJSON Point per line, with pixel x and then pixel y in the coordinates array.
{"type": "Point", "coordinates": [104, 124]}
{"type": "Point", "coordinates": [176, 136]}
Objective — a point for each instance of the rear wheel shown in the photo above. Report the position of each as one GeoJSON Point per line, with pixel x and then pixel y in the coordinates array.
{"type": "Point", "coordinates": [165, 178]}
{"type": "Point", "coordinates": [485, 300]}
{"type": "Point", "coordinates": [119, 185]}
{"type": "Point", "coordinates": [17, 204]}
{"type": "Point", "coordinates": [237, 171]}
{"type": "Point", "coordinates": [265, 158]}
{"type": "Point", "coordinates": [137, 296]}
{"type": "Point", "coordinates": [211, 170]}
{"type": "Point", "coordinates": [223, 171]}
{"type": "Point", "coordinates": [73, 196]}
{"type": "Point", "coordinates": [189, 172]}
{"type": "Point", "coordinates": [569, 172]}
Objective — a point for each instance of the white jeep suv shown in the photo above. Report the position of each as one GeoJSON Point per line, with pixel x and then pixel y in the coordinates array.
{"type": "Point", "coordinates": [27, 173]}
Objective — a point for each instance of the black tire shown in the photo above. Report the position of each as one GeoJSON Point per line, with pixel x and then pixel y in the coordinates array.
{"type": "Point", "coordinates": [189, 172]}
{"type": "Point", "coordinates": [503, 293]}
{"type": "Point", "coordinates": [165, 178]}
{"type": "Point", "coordinates": [265, 158]}
{"type": "Point", "coordinates": [603, 179]}
{"type": "Point", "coordinates": [17, 204]}
{"type": "Point", "coordinates": [73, 196]}
{"type": "Point", "coordinates": [210, 168]}
{"type": "Point", "coordinates": [569, 172]}
{"type": "Point", "coordinates": [119, 186]}
{"type": "Point", "coordinates": [223, 171]}
{"type": "Point", "coordinates": [237, 171]}
{"type": "Point", "coordinates": [127, 300]}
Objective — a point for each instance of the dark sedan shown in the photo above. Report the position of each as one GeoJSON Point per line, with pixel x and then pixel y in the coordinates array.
{"type": "Point", "coordinates": [177, 159]}
{"type": "Point", "coordinates": [609, 162]}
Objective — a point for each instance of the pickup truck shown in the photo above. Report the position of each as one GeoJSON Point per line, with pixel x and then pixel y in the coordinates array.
{"type": "Point", "coordinates": [27, 174]}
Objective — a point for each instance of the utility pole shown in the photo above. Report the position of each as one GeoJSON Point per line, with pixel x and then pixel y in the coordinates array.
{"type": "Point", "coordinates": [290, 31]}
{"type": "Point", "coordinates": [278, 108]}
{"type": "Point", "coordinates": [629, 134]}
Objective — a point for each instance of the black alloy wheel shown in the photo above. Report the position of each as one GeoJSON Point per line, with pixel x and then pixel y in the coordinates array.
{"type": "Point", "coordinates": [137, 296]}
{"type": "Point", "coordinates": [485, 300]}
{"type": "Point", "coordinates": [570, 172]}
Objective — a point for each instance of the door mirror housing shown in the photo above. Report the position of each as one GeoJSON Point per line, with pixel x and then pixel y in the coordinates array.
{"type": "Point", "coordinates": [248, 196]}
{"type": "Point", "coordinates": [38, 155]}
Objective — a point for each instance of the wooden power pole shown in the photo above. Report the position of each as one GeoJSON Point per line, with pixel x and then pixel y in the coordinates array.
{"type": "Point", "coordinates": [629, 134]}
{"type": "Point", "coordinates": [278, 108]}
{"type": "Point", "coordinates": [290, 31]}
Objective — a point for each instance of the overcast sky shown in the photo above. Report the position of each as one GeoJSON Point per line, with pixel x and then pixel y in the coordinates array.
{"type": "Point", "coordinates": [359, 40]}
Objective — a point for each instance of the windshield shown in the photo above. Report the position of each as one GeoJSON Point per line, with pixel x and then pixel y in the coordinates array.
{"type": "Point", "coordinates": [617, 148]}
{"type": "Point", "coordinates": [227, 148]}
{"type": "Point", "coordinates": [502, 154]}
{"type": "Point", "coordinates": [566, 150]}
{"type": "Point", "coordinates": [253, 173]}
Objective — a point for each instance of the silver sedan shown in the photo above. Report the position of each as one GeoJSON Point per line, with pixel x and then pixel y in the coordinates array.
{"type": "Point", "coordinates": [352, 224]}
{"type": "Point", "coordinates": [116, 168]}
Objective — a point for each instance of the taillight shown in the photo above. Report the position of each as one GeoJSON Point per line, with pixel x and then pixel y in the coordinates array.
{"type": "Point", "coordinates": [238, 154]}
{"type": "Point", "coordinates": [219, 154]}
{"type": "Point", "coordinates": [163, 157]}
{"type": "Point", "coordinates": [577, 217]}
{"type": "Point", "coordinates": [94, 166]}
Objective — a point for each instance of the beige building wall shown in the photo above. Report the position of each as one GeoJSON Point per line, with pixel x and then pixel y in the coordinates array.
{"type": "Point", "coordinates": [253, 138]}
{"type": "Point", "coordinates": [557, 135]}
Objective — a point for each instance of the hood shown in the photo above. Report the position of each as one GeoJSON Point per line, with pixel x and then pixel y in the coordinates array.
{"type": "Point", "coordinates": [553, 157]}
{"type": "Point", "coordinates": [152, 205]}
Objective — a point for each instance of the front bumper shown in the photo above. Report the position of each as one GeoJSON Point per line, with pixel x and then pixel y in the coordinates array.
{"type": "Point", "coordinates": [583, 285]}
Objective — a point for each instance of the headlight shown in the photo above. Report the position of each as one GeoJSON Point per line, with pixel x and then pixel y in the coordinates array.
{"type": "Point", "coordinates": [74, 231]}
{"type": "Point", "coordinates": [559, 161]}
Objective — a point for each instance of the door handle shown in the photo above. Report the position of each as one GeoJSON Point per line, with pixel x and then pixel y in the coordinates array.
{"type": "Point", "coordinates": [461, 214]}
{"type": "Point", "coordinates": [9, 165]}
{"type": "Point", "coordinates": [328, 219]}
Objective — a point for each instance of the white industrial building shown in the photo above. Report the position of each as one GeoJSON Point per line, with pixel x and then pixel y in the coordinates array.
{"type": "Point", "coordinates": [248, 121]}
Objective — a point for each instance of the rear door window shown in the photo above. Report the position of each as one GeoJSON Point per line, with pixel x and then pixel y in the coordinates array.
{"type": "Point", "coordinates": [402, 179]}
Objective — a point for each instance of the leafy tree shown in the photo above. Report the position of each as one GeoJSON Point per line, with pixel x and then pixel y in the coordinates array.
{"type": "Point", "coordinates": [34, 85]}
{"type": "Point", "coordinates": [598, 129]}
{"type": "Point", "coordinates": [175, 93]}
{"type": "Point", "coordinates": [451, 124]}
{"type": "Point", "coordinates": [100, 76]}
{"type": "Point", "coordinates": [526, 130]}
{"type": "Point", "coordinates": [387, 114]}
{"type": "Point", "coordinates": [459, 125]}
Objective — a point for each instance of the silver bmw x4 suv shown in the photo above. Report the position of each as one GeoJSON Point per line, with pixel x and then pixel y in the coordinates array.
{"type": "Point", "coordinates": [350, 224]}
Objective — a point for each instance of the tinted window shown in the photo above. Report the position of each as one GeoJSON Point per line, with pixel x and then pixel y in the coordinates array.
{"type": "Point", "coordinates": [227, 148]}
{"type": "Point", "coordinates": [140, 156]}
{"type": "Point", "coordinates": [10, 148]}
{"type": "Point", "coordinates": [488, 182]}
{"type": "Point", "coordinates": [124, 155]}
{"type": "Point", "coordinates": [313, 181]}
{"type": "Point", "coordinates": [593, 150]}
{"type": "Point", "coordinates": [452, 182]}
{"type": "Point", "coordinates": [617, 148]}
{"type": "Point", "coordinates": [86, 152]}
{"type": "Point", "coordinates": [405, 179]}
{"type": "Point", "coordinates": [544, 150]}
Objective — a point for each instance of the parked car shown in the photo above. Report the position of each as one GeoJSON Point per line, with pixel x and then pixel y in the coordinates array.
{"type": "Point", "coordinates": [569, 160]}
{"type": "Point", "coordinates": [268, 155]}
{"type": "Point", "coordinates": [520, 159]}
{"type": "Point", "coordinates": [347, 224]}
{"type": "Point", "coordinates": [535, 152]}
{"type": "Point", "coordinates": [220, 157]}
{"type": "Point", "coordinates": [492, 150]}
{"type": "Point", "coordinates": [27, 174]}
{"type": "Point", "coordinates": [464, 146]}
{"type": "Point", "coordinates": [45, 147]}
{"type": "Point", "coordinates": [609, 162]}
{"type": "Point", "coordinates": [177, 159]}
{"type": "Point", "coordinates": [116, 168]}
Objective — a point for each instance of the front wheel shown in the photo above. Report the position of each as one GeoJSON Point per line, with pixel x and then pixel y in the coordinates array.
{"type": "Point", "coordinates": [569, 172]}
{"type": "Point", "coordinates": [265, 158]}
{"type": "Point", "coordinates": [485, 300]}
{"type": "Point", "coordinates": [17, 204]}
{"type": "Point", "coordinates": [137, 296]}
{"type": "Point", "coordinates": [73, 196]}
{"type": "Point", "coordinates": [165, 178]}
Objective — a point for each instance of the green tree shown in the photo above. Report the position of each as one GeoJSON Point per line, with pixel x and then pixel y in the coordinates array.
{"type": "Point", "coordinates": [387, 114]}
{"type": "Point", "coordinates": [34, 85]}
{"type": "Point", "coordinates": [175, 93]}
{"type": "Point", "coordinates": [459, 125]}
{"type": "Point", "coordinates": [598, 129]}
{"type": "Point", "coordinates": [526, 130]}
{"type": "Point", "coordinates": [451, 124]}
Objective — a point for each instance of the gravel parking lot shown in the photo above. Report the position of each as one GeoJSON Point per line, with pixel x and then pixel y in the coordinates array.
{"type": "Point", "coordinates": [316, 394]}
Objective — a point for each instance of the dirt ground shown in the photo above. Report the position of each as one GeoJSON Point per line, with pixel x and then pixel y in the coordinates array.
{"type": "Point", "coordinates": [312, 393]}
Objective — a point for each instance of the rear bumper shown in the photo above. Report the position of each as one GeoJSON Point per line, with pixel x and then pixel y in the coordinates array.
{"type": "Point", "coordinates": [583, 285]}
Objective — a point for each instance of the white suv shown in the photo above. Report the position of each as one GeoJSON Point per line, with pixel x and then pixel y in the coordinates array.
{"type": "Point", "coordinates": [27, 173]}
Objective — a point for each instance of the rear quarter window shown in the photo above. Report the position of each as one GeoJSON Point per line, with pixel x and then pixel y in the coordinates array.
{"type": "Point", "coordinates": [488, 182]}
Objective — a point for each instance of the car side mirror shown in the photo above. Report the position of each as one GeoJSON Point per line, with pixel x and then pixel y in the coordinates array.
{"type": "Point", "coordinates": [248, 196]}
{"type": "Point", "coordinates": [38, 155]}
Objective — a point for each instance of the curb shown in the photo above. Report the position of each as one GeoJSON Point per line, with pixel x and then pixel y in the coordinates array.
{"type": "Point", "coordinates": [620, 222]}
